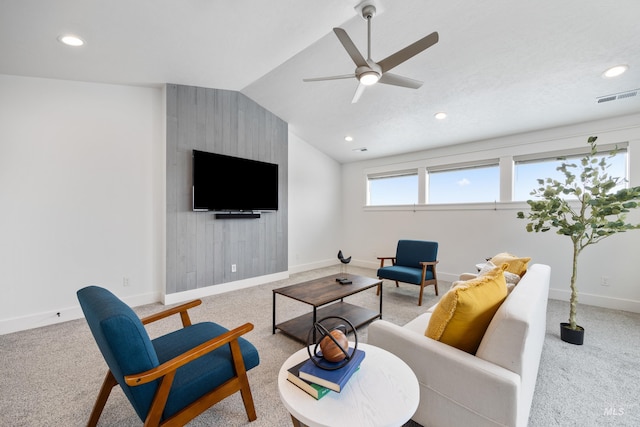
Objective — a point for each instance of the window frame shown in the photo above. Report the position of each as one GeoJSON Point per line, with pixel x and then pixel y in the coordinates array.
{"type": "Point", "coordinates": [506, 164]}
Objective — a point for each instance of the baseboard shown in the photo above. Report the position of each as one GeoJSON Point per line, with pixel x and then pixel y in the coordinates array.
{"type": "Point", "coordinates": [47, 318]}
{"type": "Point", "coordinates": [38, 320]}
{"type": "Point", "coordinates": [301, 268]}
{"type": "Point", "coordinates": [597, 300]}
{"type": "Point", "coordinates": [179, 297]}
{"type": "Point", "coordinates": [442, 275]}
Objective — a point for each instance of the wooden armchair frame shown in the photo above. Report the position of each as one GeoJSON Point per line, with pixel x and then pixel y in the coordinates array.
{"type": "Point", "coordinates": [166, 373]}
{"type": "Point", "coordinates": [423, 282]}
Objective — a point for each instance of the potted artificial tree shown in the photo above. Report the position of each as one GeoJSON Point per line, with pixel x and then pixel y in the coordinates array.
{"type": "Point", "coordinates": [584, 208]}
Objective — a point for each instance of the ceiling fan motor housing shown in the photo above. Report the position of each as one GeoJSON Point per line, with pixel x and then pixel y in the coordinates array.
{"type": "Point", "coordinates": [368, 11]}
{"type": "Point", "coordinates": [372, 70]}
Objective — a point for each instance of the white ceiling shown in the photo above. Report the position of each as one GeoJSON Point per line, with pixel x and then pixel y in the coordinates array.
{"type": "Point", "coordinates": [501, 66]}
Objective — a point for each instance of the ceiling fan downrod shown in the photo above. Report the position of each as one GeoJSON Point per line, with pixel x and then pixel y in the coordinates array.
{"type": "Point", "coordinates": [368, 13]}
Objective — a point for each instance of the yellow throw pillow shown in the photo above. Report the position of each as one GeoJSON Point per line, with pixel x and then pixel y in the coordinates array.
{"type": "Point", "coordinates": [463, 314]}
{"type": "Point", "coordinates": [517, 265]}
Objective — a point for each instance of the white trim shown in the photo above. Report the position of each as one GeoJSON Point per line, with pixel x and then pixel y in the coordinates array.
{"type": "Point", "coordinates": [222, 288]}
{"type": "Point", "coordinates": [484, 206]}
{"type": "Point", "coordinates": [394, 167]}
{"type": "Point", "coordinates": [46, 318]}
{"type": "Point", "coordinates": [301, 268]}
{"type": "Point", "coordinates": [442, 276]}
{"type": "Point", "coordinates": [597, 300]}
{"type": "Point", "coordinates": [570, 153]}
{"type": "Point", "coordinates": [474, 164]}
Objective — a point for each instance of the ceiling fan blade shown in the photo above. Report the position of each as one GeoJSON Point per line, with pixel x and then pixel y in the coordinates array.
{"type": "Point", "coordinates": [351, 48]}
{"type": "Point", "coordinates": [396, 80]}
{"type": "Point", "coordinates": [320, 79]}
{"type": "Point", "coordinates": [358, 94]}
{"type": "Point", "coordinates": [410, 51]}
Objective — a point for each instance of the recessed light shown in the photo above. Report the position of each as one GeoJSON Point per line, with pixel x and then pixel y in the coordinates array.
{"type": "Point", "coordinates": [71, 40]}
{"type": "Point", "coordinates": [615, 71]}
{"type": "Point", "coordinates": [348, 138]}
{"type": "Point", "coordinates": [440, 115]}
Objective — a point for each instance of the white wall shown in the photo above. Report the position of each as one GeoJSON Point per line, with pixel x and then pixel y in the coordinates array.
{"type": "Point", "coordinates": [315, 221]}
{"type": "Point", "coordinates": [469, 234]}
{"type": "Point", "coordinates": [81, 196]}
{"type": "Point", "coordinates": [82, 182]}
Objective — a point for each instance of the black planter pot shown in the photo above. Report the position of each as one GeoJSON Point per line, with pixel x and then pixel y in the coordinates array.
{"type": "Point", "coordinates": [569, 335]}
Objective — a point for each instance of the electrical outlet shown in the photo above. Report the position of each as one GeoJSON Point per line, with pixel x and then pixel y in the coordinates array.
{"type": "Point", "coordinates": [604, 281]}
{"type": "Point", "coordinates": [125, 282]}
{"type": "Point", "coordinates": [233, 268]}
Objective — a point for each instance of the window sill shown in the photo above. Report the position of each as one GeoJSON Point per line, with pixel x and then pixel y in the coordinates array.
{"type": "Point", "coordinates": [486, 206]}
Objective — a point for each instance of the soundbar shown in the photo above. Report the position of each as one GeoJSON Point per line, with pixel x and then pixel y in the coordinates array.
{"type": "Point", "coordinates": [237, 215]}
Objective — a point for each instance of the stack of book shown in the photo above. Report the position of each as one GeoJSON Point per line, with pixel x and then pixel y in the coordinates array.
{"type": "Point", "coordinates": [317, 381]}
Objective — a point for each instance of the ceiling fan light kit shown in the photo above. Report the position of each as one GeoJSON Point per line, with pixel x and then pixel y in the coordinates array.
{"type": "Point", "coordinates": [369, 78]}
{"type": "Point", "coordinates": [369, 72]}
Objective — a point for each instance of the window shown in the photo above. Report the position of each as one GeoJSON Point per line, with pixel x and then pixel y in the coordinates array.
{"type": "Point", "coordinates": [527, 171]}
{"type": "Point", "coordinates": [400, 188]}
{"type": "Point", "coordinates": [465, 185]}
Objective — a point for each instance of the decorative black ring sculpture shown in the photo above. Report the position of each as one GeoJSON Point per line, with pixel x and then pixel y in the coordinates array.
{"type": "Point", "coordinates": [324, 332]}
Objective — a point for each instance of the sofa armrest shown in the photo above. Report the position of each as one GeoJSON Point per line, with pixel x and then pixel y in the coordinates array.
{"type": "Point", "coordinates": [451, 380]}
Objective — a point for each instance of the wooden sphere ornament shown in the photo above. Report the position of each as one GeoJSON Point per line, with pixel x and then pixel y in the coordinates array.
{"type": "Point", "coordinates": [331, 348]}
{"type": "Point", "coordinates": [334, 350]}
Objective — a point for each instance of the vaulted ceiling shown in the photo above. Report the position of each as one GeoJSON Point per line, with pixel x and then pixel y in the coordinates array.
{"type": "Point", "coordinates": [501, 67]}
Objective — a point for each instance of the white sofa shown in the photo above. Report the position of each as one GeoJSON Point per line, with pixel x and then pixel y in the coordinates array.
{"type": "Point", "coordinates": [493, 388]}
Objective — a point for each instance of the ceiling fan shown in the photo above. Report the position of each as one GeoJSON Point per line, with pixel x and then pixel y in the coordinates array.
{"type": "Point", "coordinates": [368, 72]}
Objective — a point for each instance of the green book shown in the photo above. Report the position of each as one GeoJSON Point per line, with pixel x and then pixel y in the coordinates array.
{"type": "Point", "coordinates": [315, 390]}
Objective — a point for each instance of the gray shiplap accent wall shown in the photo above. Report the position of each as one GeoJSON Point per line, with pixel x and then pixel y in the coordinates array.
{"type": "Point", "coordinates": [200, 248]}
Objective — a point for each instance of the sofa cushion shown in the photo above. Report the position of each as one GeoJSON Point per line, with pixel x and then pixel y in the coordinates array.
{"type": "Point", "coordinates": [464, 312]}
{"type": "Point", "coordinates": [517, 265]}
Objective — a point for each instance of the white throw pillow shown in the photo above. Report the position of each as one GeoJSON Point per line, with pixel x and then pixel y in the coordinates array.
{"type": "Point", "coordinates": [512, 279]}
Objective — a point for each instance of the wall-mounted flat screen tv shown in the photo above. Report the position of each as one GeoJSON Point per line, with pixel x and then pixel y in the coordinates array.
{"type": "Point", "coordinates": [227, 183]}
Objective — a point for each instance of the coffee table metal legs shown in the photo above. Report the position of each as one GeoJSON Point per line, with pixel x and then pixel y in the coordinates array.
{"type": "Point", "coordinates": [274, 312]}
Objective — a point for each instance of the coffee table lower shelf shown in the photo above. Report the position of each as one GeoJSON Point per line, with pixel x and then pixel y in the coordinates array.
{"type": "Point", "coordinates": [298, 328]}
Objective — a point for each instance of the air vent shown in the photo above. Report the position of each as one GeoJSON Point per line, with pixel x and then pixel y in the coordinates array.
{"type": "Point", "coordinates": [616, 96]}
{"type": "Point", "coordinates": [628, 94]}
{"type": "Point", "coordinates": [607, 99]}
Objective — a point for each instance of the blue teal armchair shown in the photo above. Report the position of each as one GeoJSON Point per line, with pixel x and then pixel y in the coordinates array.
{"type": "Point", "coordinates": [174, 378]}
{"type": "Point", "coordinates": [415, 263]}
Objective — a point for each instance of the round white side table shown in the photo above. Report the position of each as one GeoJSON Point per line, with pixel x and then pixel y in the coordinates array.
{"type": "Point", "coordinates": [383, 392]}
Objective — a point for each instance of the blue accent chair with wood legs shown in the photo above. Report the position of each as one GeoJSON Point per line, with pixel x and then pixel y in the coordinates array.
{"type": "Point", "coordinates": [415, 263]}
{"type": "Point", "coordinates": [173, 378]}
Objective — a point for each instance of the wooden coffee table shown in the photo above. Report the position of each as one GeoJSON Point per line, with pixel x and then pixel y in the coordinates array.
{"type": "Point", "coordinates": [321, 293]}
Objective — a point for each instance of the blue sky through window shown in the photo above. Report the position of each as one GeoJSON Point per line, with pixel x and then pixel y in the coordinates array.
{"type": "Point", "coordinates": [471, 185]}
{"type": "Point", "coordinates": [526, 175]}
{"type": "Point", "coordinates": [394, 190]}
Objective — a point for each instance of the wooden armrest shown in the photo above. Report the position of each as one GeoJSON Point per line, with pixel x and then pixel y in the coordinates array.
{"type": "Point", "coordinates": [182, 309]}
{"type": "Point", "coordinates": [181, 360]}
{"type": "Point", "coordinates": [383, 258]}
{"type": "Point", "coordinates": [426, 263]}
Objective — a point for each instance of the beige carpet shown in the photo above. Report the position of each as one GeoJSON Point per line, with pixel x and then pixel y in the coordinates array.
{"type": "Point", "coordinates": [50, 376]}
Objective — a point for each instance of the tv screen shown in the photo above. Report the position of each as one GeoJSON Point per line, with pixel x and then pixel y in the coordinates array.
{"type": "Point", "coordinates": [227, 183]}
